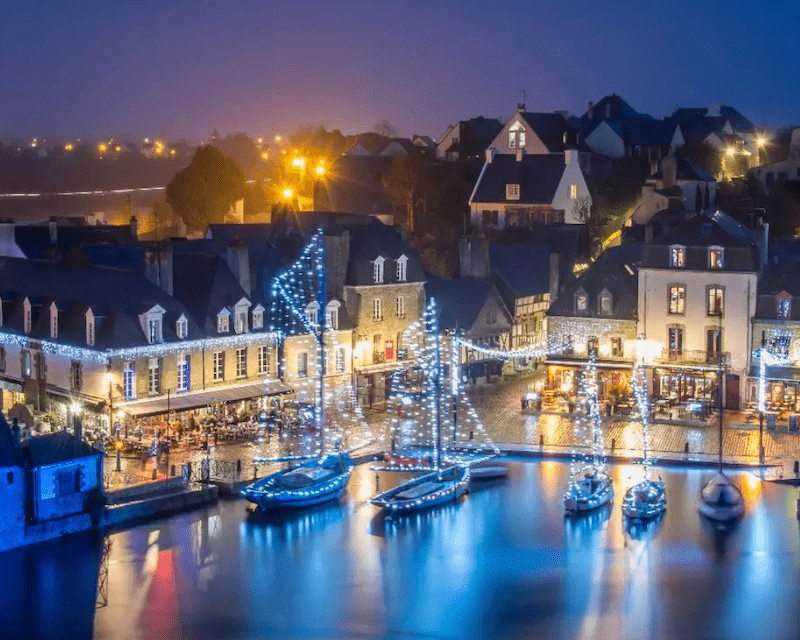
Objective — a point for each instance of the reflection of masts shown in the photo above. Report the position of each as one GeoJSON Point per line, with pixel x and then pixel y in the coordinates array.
{"type": "Point", "coordinates": [102, 577]}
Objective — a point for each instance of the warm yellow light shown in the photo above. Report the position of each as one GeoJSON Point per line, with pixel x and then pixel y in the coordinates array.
{"type": "Point", "coordinates": [761, 141]}
{"type": "Point", "coordinates": [320, 170]}
{"type": "Point", "coordinates": [288, 193]}
{"type": "Point", "coordinates": [299, 162]}
{"type": "Point", "coordinates": [730, 151]}
{"type": "Point", "coordinates": [118, 444]}
{"type": "Point", "coordinates": [261, 141]}
{"type": "Point", "coordinates": [159, 150]}
{"type": "Point", "coordinates": [102, 147]}
{"type": "Point", "coordinates": [172, 152]}
{"type": "Point", "coordinates": [117, 148]}
{"type": "Point", "coordinates": [68, 147]}
{"type": "Point", "coordinates": [264, 155]}
{"type": "Point", "coordinates": [75, 407]}
{"type": "Point", "coordinates": [277, 138]}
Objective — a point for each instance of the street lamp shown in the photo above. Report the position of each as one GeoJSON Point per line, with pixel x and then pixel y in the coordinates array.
{"type": "Point", "coordinates": [118, 447]}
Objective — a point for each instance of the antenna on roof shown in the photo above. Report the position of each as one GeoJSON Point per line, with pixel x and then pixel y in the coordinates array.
{"type": "Point", "coordinates": [521, 105]}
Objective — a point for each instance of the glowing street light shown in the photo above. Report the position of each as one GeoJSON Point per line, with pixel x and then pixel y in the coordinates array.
{"type": "Point", "coordinates": [264, 155]}
{"type": "Point", "coordinates": [730, 151]}
{"type": "Point", "coordinates": [320, 171]}
{"type": "Point", "coordinates": [102, 147]}
{"type": "Point", "coordinates": [288, 193]}
{"type": "Point", "coordinates": [761, 141]}
{"type": "Point", "coordinates": [69, 146]}
{"type": "Point", "coordinates": [277, 138]}
{"type": "Point", "coordinates": [299, 162]}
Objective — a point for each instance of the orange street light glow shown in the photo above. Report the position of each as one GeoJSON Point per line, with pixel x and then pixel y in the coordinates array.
{"type": "Point", "coordinates": [287, 193]}
{"type": "Point", "coordinates": [320, 170]}
{"type": "Point", "coordinates": [102, 147]}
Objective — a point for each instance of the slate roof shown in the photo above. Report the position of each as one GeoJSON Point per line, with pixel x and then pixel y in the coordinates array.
{"type": "Point", "coordinates": [550, 127]}
{"type": "Point", "coordinates": [687, 170]}
{"type": "Point", "coordinates": [616, 269]}
{"type": "Point", "coordinates": [646, 132]}
{"type": "Point", "coordinates": [34, 240]}
{"type": "Point", "coordinates": [56, 447]}
{"type": "Point", "coordinates": [353, 184]}
{"type": "Point", "coordinates": [776, 279]}
{"type": "Point", "coordinates": [739, 122]}
{"type": "Point", "coordinates": [367, 243]}
{"type": "Point", "coordinates": [10, 455]}
{"type": "Point", "coordinates": [227, 233]}
{"type": "Point", "coordinates": [537, 174]}
{"type": "Point", "coordinates": [460, 300]}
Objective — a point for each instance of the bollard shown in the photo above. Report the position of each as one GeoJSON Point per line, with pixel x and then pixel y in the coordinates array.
{"type": "Point", "coordinates": [796, 467]}
{"type": "Point", "coordinates": [155, 474]}
{"type": "Point", "coordinates": [471, 435]}
{"type": "Point", "coordinates": [377, 482]}
{"type": "Point", "coordinates": [238, 467]}
{"type": "Point", "coordinates": [686, 447]}
{"type": "Point", "coordinates": [255, 471]}
{"type": "Point", "coordinates": [172, 470]}
{"type": "Point", "coordinates": [541, 439]}
{"type": "Point", "coordinates": [613, 443]}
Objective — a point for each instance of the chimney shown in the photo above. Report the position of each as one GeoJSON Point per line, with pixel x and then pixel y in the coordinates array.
{"type": "Point", "coordinates": [490, 153]}
{"type": "Point", "coordinates": [158, 265]}
{"type": "Point", "coordinates": [520, 154]}
{"type": "Point", "coordinates": [53, 230]}
{"type": "Point", "coordinates": [554, 261]}
{"type": "Point", "coordinates": [590, 111]}
{"type": "Point", "coordinates": [669, 171]}
{"type": "Point", "coordinates": [239, 264]}
{"type": "Point", "coordinates": [569, 156]}
{"type": "Point", "coordinates": [134, 228]}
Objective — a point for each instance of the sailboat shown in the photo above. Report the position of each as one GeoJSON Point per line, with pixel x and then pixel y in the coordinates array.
{"type": "Point", "coordinates": [648, 498]}
{"type": "Point", "coordinates": [590, 487]}
{"type": "Point", "coordinates": [720, 499]}
{"type": "Point", "coordinates": [444, 483]}
{"type": "Point", "coordinates": [325, 476]}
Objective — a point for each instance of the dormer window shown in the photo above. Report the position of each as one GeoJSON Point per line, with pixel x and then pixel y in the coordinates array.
{"type": "Point", "coordinates": [784, 306]}
{"type": "Point", "coordinates": [53, 321]}
{"type": "Point", "coordinates": [153, 324]}
{"type": "Point", "coordinates": [258, 317]}
{"type": "Point", "coordinates": [377, 270]}
{"type": "Point", "coordinates": [581, 301]}
{"type": "Point", "coordinates": [312, 313]}
{"type": "Point", "coordinates": [716, 258]}
{"type": "Point", "coordinates": [90, 328]}
{"type": "Point", "coordinates": [512, 192]}
{"type": "Point", "coordinates": [241, 321]}
{"type": "Point", "coordinates": [604, 302]}
{"type": "Point", "coordinates": [182, 327]}
{"type": "Point", "coordinates": [332, 314]}
{"type": "Point", "coordinates": [677, 256]}
{"type": "Point", "coordinates": [26, 308]}
{"type": "Point", "coordinates": [516, 136]}
{"type": "Point", "coordinates": [223, 321]}
{"type": "Point", "coordinates": [402, 268]}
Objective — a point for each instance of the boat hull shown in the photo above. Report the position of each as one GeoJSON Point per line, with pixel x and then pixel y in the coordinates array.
{"type": "Point", "coordinates": [270, 492]}
{"type": "Point", "coordinates": [489, 472]}
{"type": "Point", "coordinates": [645, 501]}
{"type": "Point", "coordinates": [449, 484]}
{"type": "Point", "coordinates": [721, 500]}
{"type": "Point", "coordinates": [592, 491]}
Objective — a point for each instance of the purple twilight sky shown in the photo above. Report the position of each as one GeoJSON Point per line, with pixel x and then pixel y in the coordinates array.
{"type": "Point", "coordinates": [183, 67]}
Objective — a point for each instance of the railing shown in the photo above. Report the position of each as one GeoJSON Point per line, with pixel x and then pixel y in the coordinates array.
{"type": "Point", "coordinates": [695, 356]}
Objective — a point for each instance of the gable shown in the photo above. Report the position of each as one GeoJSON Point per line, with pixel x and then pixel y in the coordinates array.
{"type": "Point", "coordinates": [605, 141]}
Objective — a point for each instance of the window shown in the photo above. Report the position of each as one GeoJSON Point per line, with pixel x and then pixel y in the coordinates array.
{"type": "Point", "coordinates": [716, 258]}
{"type": "Point", "coordinates": [591, 345]}
{"type": "Point", "coordinates": [332, 314]}
{"type": "Point", "coordinates": [402, 268]}
{"type": "Point", "coordinates": [677, 299]}
{"type": "Point", "coordinates": [784, 307]}
{"type": "Point", "coordinates": [605, 303]}
{"type": "Point", "coordinates": [715, 305]}
{"type": "Point", "coordinates": [129, 381]}
{"type": "Point", "coordinates": [154, 376]}
{"type": "Point", "coordinates": [27, 309]}
{"type": "Point", "coordinates": [90, 329]}
{"type": "Point", "coordinates": [377, 311]}
{"type": "Point", "coordinates": [76, 376]}
{"type": "Point", "coordinates": [490, 218]}
{"type": "Point", "coordinates": [222, 321]}
{"type": "Point", "coordinates": [240, 325]}
{"type": "Point", "coordinates": [713, 344]}
{"type": "Point", "coordinates": [512, 192]}
{"type": "Point", "coordinates": [779, 343]}
{"type": "Point", "coordinates": [258, 317]}
{"type": "Point", "coordinates": [2, 358]}
{"type": "Point", "coordinates": [241, 363]}
{"type": "Point", "coordinates": [312, 313]}
{"type": "Point", "coordinates": [25, 357]}
{"type": "Point", "coordinates": [581, 300]}
{"type": "Point", "coordinates": [377, 339]}
{"type": "Point", "coordinates": [677, 257]}
{"type": "Point", "coordinates": [388, 350]}
{"type": "Point", "coordinates": [340, 359]}
{"type": "Point", "coordinates": [182, 327]}
{"type": "Point", "coordinates": [219, 366]}
{"type": "Point", "coordinates": [521, 140]}
{"type": "Point", "coordinates": [573, 191]}
{"type": "Point", "coordinates": [263, 360]}
{"type": "Point", "coordinates": [617, 347]}
{"type": "Point", "coordinates": [67, 482]}
{"type": "Point", "coordinates": [400, 305]}
{"type": "Point", "coordinates": [154, 330]}
{"type": "Point", "coordinates": [675, 341]}
{"type": "Point", "coordinates": [516, 136]}
{"type": "Point", "coordinates": [491, 316]}
{"type": "Point", "coordinates": [302, 365]}
{"type": "Point", "coordinates": [53, 322]}
{"type": "Point", "coordinates": [184, 364]}
{"type": "Point", "coordinates": [377, 270]}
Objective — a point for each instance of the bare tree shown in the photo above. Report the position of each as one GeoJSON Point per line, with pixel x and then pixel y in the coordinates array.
{"type": "Point", "coordinates": [385, 128]}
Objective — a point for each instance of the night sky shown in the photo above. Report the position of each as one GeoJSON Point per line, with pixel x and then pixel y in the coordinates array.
{"type": "Point", "coordinates": [183, 67]}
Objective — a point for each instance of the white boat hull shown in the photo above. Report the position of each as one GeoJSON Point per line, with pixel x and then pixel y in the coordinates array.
{"type": "Point", "coordinates": [591, 490]}
{"type": "Point", "coordinates": [430, 490]}
{"type": "Point", "coordinates": [645, 500]}
{"type": "Point", "coordinates": [489, 472]}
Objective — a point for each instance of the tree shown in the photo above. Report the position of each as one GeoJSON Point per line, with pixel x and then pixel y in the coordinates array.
{"type": "Point", "coordinates": [704, 155]}
{"type": "Point", "coordinates": [242, 149]}
{"type": "Point", "coordinates": [405, 182]}
{"type": "Point", "coordinates": [203, 192]}
{"type": "Point", "coordinates": [385, 128]}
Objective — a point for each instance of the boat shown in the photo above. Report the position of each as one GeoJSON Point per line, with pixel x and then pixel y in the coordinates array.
{"type": "Point", "coordinates": [429, 490]}
{"type": "Point", "coordinates": [324, 477]}
{"type": "Point", "coordinates": [488, 472]}
{"type": "Point", "coordinates": [591, 487]}
{"type": "Point", "coordinates": [721, 500]}
{"type": "Point", "coordinates": [646, 500]}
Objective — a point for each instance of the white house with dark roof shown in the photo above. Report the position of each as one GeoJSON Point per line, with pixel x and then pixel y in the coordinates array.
{"type": "Point", "coordinates": [524, 189]}
{"type": "Point", "coordinates": [536, 133]}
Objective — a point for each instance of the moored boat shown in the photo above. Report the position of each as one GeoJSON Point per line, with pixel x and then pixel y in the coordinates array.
{"type": "Point", "coordinates": [645, 500]}
{"type": "Point", "coordinates": [721, 500]}
{"type": "Point", "coordinates": [588, 490]}
{"type": "Point", "coordinates": [430, 490]}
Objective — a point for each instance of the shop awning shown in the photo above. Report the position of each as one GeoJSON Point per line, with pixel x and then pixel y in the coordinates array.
{"type": "Point", "coordinates": [385, 366]}
{"type": "Point", "coordinates": [10, 385]}
{"type": "Point", "coordinates": [197, 399]}
{"type": "Point", "coordinates": [778, 374]}
{"type": "Point", "coordinates": [580, 362]}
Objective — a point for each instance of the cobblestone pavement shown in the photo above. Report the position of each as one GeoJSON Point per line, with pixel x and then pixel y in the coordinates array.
{"type": "Point", "coordinates": [498, 406]}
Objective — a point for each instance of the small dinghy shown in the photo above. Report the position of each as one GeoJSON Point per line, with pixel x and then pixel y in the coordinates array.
{"type": "Point", "coordinates": [489, 472]}
{"type": "Point", "coordinates": [721, 500]}
{"type": "Point", "coordinates": [645, 500]}
{"type": "Point", "coordinates": [302, 485]}
{"type": "Point", "coordinates": [588, 490]}
{"type": "Point", "coordinates": [429, 490]}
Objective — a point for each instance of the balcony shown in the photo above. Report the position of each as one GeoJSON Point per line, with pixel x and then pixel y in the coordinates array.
{"type": "Point", "coordinates": [695, 357]}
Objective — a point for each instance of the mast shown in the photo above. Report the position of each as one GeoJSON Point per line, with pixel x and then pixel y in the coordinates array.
{"type": "Point", "coordinates": [434, 331]}
{"type": "Point", "coordinates": [320, 337]}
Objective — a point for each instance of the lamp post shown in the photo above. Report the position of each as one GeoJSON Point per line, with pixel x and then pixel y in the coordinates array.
{"type": "Point", "coordinates": [762, 401]}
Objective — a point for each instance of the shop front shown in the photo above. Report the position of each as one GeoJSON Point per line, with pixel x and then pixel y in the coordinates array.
{"type": "Point", "coordinates": [613, 382]}
{"type": "Point", "coordinates": [781, 388]}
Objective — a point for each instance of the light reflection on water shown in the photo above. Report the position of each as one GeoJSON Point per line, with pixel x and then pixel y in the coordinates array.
{"type": "Point", "coordinates": [502, 562]}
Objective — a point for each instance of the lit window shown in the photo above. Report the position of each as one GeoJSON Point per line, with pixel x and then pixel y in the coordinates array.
{"type": "Point", "coordinates": [715, 301]}
{"type": "Point", "coordinates": [263, 360]}
{"type": "Point", "coordinates": [240, 325]}
{"type": "Point", "coordinates": [53, 322]}
{"type": "Point", "coordinates": [312, 312]}
{"type": "Point", "coordinates": [154, 376]}
{"type": "Point", "coordinates": [258, 318]}
{"type": "Point", "coordinates": [222, 322]}
{"type": "Point", "coordinates": [402, 266]}
{"type": "Point", "coordinates": [332, 315]}
{"type": "Point", "coordinates": [377, 270]}
{"type": "Point", "coordinates": [716, 258]}
{"type": "Point", "coordinates": [605, 303]}
{"type": "Point", "coordinates": [129, 381]}
{"type": "Point", "coordinates": [677, 299]}
{"type": "Point", "coordinates": [76, 376]}
{"type": "Point", "coordinates": [302, 365]}
{"type": "Point", "coordinates": [241, 363]}
{"type": "Point", "coordinates": [617, 347]}
{"type": "Point", "coordinates": [675, 341]}
{"type": "Point", "coordinates": [581, 302]}
{"type": "Point", "coordinates": [26, 363]}
{"type": "Point", "coordinates": [512, 192]}
{"type": "Point", "coordinates": [573, 191]}
{"type": "Point", "coordinates": [340, 360]}
{"type": "Point", "coordinates": [183, 372]}
{"type": "Point", "coordinates": [784, 308]}
{"type": "Point", "coordinates": [377, 312]}
{"type": "Point", "coordinates": [154, 330]}
{"type": "Point", "coordinates": [401, 307]}
{"type": "Point", "coordinates": [182, 328]}
{"type": "Point", "coordinates": [219, 366]}
{"type": "Point", "coordinates": [677, 257]}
